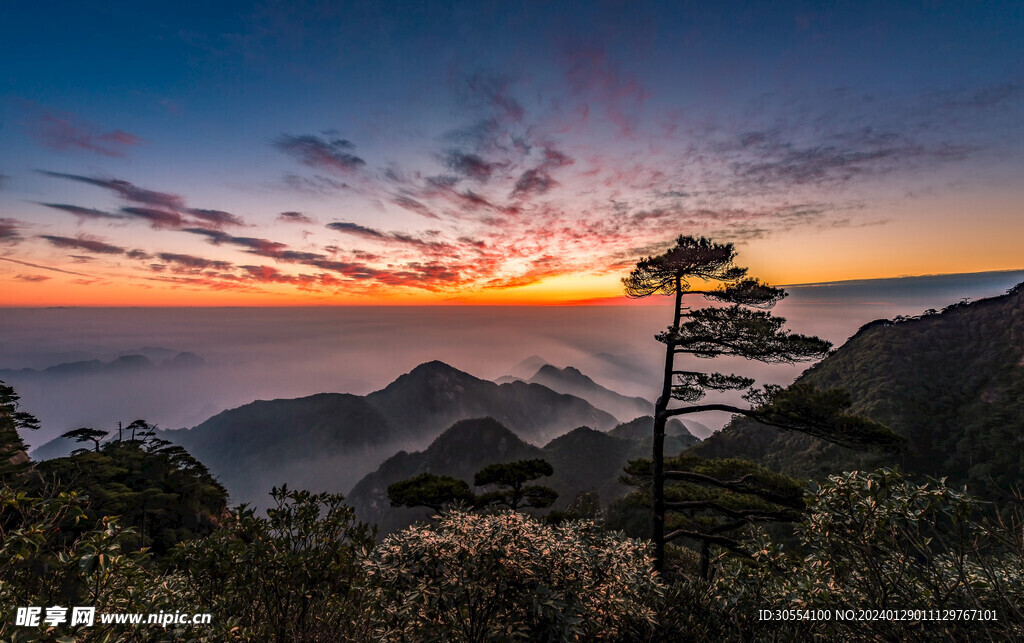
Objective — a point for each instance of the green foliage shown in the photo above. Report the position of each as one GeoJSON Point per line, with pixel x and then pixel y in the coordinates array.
{"type": "Point", "coordinates": [736, 330]}
{"type": "Point", "coordinates": [950, 384]}
{"type": "Point", "coordinates": [716, 501]}
{"type": "Point", "coordinates": [430, 490]}
{"type": "Point", "coordinates": [872, 541]}
{"type": "Point", "coordinates": [506, 576]}
{"type": "Point", "coordinates": [806, 409]}
{"type": "Point", "coordinates": [157, 488]}
{"type": "Point", "coordinates": [294, 575]}
{"type": "Point", "coordinates": [13, 455]}
{"type": "Point", "coordinates": [42, 563]}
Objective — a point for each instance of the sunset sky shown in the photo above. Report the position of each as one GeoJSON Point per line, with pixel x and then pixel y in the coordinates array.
{"type": "Point", "coordinates": [288, 153]}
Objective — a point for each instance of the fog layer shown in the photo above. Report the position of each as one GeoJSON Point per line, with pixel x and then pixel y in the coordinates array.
{"type": "Point", "coordinates": [266, 353]}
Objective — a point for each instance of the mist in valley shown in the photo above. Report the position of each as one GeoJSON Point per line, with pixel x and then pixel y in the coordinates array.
{"type": "Point", "coordinates": [237, 355]}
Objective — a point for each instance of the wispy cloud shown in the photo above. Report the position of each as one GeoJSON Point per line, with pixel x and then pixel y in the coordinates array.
{"type": "Point", "coordinates": [85, 213]}
{"type": "Point", "coordinates": [62, 131]}
{"type": "Point", "coordinates": [193, 262]}
{"type": "Point", "coordinates": [329, 154]}
{"type": "Point", "coordinates": [295, 217]}
{"type": "Point", "coordinates": [82, 242]}
{"type": "Point", "coordinates": [162, 210]}
{"type": "Point", "coordinates": [357, 230]}
{"type": "Point", "coordinates": [9, 230]}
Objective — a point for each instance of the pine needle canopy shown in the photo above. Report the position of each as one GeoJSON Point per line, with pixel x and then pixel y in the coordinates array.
{"type": "Point", "coordinates": [691, 257]}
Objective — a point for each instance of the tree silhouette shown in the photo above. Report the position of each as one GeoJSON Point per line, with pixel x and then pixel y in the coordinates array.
{"type": "Point", "coordinates": [436, 492]}
{"type": "Point", "coordinates": [712, 499]}
{"type": "Point", "coordinates": [740, 325]}
{"type": "Point", "coordinates": [511, 479]}
{"type": "Point", "coordinates": [14, 459]}
{"type": "Point", "coordinates": [86, 434]}
{"type": "Point", "coordinates": [429, 490]}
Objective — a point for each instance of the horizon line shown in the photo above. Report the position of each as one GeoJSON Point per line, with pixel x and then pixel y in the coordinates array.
{"type": "Point", "coordinates": [616, 301]}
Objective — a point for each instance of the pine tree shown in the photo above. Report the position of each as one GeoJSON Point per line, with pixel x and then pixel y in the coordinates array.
{"type": "Point", "coordinates": [14, 461]}
{"type": "Point", "coordinates": [740, 325]}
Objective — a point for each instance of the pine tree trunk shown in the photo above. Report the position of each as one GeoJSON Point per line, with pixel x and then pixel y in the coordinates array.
{"type": "Point", "coordinates": [658, 455]}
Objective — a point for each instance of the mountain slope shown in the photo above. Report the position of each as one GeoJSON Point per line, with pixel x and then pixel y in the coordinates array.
{"type": "Point", "coordinates": [952, 383]}
{"type": "Point", "coordinates": [582, 459]}
{"type": "Point", "coordinates": [435, 395]}
{"type": "Point", "coordinates": [329, 441]}
{"type": "Point", "coordinates": [456, 452]}
{"type": "Point", "coordinates": [572, 382]}
{"type": "Point", "coordinates": [316, 442]}
{"type": "Point", "coordinates": [641, 429]}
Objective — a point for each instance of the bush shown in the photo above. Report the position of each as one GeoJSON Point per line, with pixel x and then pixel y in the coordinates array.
{"type": "Point", "coordinates": [292, 576]}
{"type": "Point", "coordinates": [507, 576]}
{"type": "Point", "coordinates": [880, 541]}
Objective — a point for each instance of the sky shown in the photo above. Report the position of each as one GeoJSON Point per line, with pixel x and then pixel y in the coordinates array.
{"type": "Point", "coordinates": [321, 153]}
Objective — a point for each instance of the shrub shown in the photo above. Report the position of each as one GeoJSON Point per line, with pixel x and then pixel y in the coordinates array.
{"type": "Point", "coordinates": [507, 576]}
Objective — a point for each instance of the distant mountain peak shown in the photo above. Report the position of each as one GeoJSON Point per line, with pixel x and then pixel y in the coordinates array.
{"type": "Point", "coordinates": [528, 367]}
{"type": "Point", "coordinates": [428, 373]}
{"type": "Point", "coordinates": [434, 365]}
{"type": "Point", "coordinates": [570, 380]}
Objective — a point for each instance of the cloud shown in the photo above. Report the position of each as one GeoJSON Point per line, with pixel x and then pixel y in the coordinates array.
{"type": "Point", "coordinates": [9, 230]}
{"type": "Point", "coordinates": [157, 219]}
{"type": "Point", "coordinates": [294, 217]}
{"type": "Point", "coordinates": [844, 155]}
{"type": "Point", "coordinates": [190, 261]}
{"type": "Point", "coordinates": [414, 206]}
{"type": "Point", "coordinates": [32, 278]}
{"type": "Point", "coordinates": [83, 243]}
{"type": "Point", "coordinates": [470, 166]}
{"type": "Point", "coordinates": [317, 184]}
{"type": "Point", "coordinates": [491, 91]}
{"type": "Point", "coordinates": [61, 131]}
{"type": "Point", "coordinates": [162, 210]}
{"type": "Point", "coordinates": [532, 182]}
{"type": "Point", "coordinates": [261, 246]}
{"type": "Point", "coordinates": [357, 230]}
{"type": "Point", "coordinates": [333, 154]}
{"type": "Point", "coordinates": [3, 180]}
{"type": "Point", "coordinates": [84, 213]}
{"type": "Point", "coordinates": [394, 238]}
{"type": "Point", "coordinates": [217, 218]}
{"type": "Point", "coordinates": [127, 191]}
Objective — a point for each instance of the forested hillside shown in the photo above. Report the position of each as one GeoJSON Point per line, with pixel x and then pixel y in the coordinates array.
{"type": "Point", "coordinates": [951, 382]}
{"type": "Point", "coordinates": [583, 460]}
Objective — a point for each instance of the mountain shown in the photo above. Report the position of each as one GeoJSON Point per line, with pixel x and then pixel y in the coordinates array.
{"type": "Point", "coordinates": [950, 382]}
{"type": "Point", "coordinates": [329, 441]}
{"type": "Point", "coordinates": [317, 442]}
{"type": "Point", "coordinates": [435, 395]}
{"type": "Point", "coordinates": [456, 452]}
{"type": "Point", "coordinates": [641, 429]}
{"type": "Point", "coordinates": [583, 459]}
{"type": "Point", "coordinates": [526, 368]}
{"type": "Point", "coordinates": [123, 364]}
{"type": "Point", "coordinates": [571, 381]}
